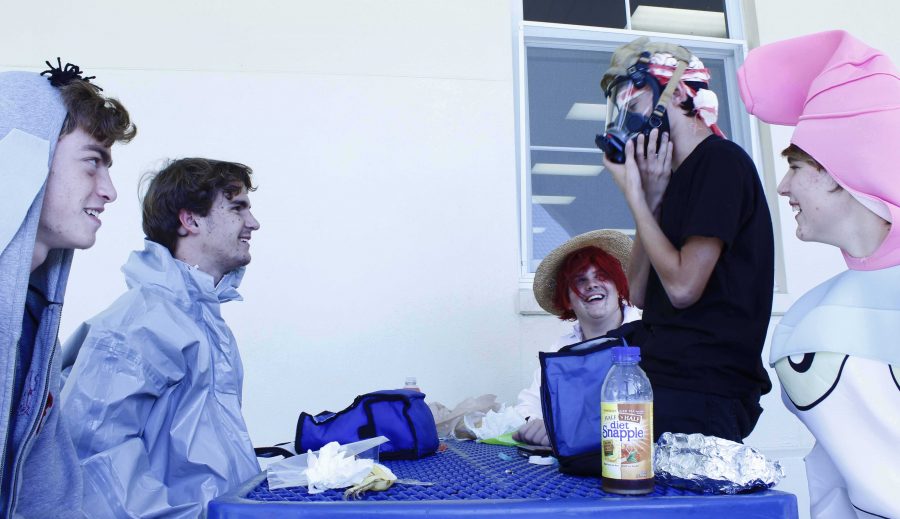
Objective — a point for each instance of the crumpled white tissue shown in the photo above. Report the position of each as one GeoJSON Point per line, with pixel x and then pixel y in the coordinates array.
{"type": "Point", "coordinates": [496, 423]}
{"type": "Point", "coordinates": [332, 466]}
{"type": "Point", "coordinates": [334, 469]}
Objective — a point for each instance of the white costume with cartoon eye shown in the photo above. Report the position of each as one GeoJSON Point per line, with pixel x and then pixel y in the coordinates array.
{"type": "Point", "coordinates": [833, 87]}
{"type": "Point", "coordinates": [837, 355]}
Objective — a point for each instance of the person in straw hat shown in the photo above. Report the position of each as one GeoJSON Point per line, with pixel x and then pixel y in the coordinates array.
{"type": "Point", "coordinates": [835, 351]}
{"type": "Point", "coordinates": [702, 267]}
{"type": "Point", "coordinates": [582, 280]}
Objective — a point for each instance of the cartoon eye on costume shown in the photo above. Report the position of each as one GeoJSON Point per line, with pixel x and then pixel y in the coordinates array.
{"type": "Point", "coordinates": [809, 378]}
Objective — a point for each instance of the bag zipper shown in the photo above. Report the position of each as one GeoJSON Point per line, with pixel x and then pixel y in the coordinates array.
{"type": "Point", "coordinates": [32, 433]}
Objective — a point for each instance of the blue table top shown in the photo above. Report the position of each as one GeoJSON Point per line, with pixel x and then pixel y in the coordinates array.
{"type": "Point", "coordinates": [488, 480]}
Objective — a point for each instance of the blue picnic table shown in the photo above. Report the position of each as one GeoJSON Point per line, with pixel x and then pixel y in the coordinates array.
{"type": "Point", "coordinates": [481, 480]}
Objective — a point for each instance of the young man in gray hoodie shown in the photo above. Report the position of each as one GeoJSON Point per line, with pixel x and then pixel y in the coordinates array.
{"type": "Point", "coordinates": [56, 134]}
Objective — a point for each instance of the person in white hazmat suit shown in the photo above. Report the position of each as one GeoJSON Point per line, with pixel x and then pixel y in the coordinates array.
{"type": "Point", "coordinates": [153, 395]}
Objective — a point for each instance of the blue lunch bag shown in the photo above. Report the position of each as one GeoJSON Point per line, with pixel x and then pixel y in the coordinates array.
{"type": "Point", "coordinates": [571, 380]}
{"type": "Point", "coordinates": [401, 415]}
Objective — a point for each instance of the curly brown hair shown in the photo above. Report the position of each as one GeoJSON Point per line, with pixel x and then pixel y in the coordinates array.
{"type": "Point", "coordinates": [103, 118]}
{"type": "Point", "coordinates": [191, 184]}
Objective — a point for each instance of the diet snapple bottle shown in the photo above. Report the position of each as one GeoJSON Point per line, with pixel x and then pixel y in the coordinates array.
{"type": "Point", "coordinates": [626, 417]}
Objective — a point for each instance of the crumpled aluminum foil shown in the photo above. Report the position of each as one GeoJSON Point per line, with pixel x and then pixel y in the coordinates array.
{"type": "Point", "coordinates": [712, 465]}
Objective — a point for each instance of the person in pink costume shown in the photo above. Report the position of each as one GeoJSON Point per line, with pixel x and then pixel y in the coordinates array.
{"type": "Point", "coordinates": [835, 350]}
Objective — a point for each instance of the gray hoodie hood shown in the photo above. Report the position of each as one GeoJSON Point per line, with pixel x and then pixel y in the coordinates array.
{"type": "Point", "coordinates": [31, 116]}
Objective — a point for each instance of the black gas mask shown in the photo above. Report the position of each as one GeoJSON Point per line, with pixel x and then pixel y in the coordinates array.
{"type": "Point", "coordinates": [632, 109]}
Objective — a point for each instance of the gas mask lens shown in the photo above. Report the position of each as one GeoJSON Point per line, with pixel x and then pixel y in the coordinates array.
{"type": "Point", "coordinates": [628, 110]}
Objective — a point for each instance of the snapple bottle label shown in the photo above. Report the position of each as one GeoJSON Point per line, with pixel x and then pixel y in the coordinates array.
{"type": "Point", "coordinates": [627, 430]}
{"type": "Point", "coordinates": [626, 425]}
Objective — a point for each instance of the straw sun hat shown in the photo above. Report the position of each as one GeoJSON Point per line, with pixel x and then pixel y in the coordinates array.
{"type": "Point", "coordinates": [614, 243]}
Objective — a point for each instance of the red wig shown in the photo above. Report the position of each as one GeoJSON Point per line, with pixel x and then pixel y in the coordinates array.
{"type": "Point", "coordinates": [576, 263]}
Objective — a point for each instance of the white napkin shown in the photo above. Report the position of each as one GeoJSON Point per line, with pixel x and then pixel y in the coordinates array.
{"type": "Point", "coordinates": [495, 424]}
{"type": "Point", "coordinates": [335, 469]}
{"type": "Point", "coordinates": [332, 466]}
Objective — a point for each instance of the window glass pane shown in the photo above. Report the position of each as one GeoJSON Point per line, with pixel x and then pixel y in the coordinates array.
{"type": "Point", "coordinates": [570, 193]}
{"type": "Point", "coordinates": [581, 202]}
{"type": "Point", "coordinates": [716, 67]}
{"type": "Point", "coordinates": [696, 17]}
{"type": "Point", "coordinates": [597, 13]}
{"type": "Point", "coordinates": [557, 79]}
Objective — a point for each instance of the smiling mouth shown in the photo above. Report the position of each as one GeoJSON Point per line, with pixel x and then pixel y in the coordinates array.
{"type": "Point", "coordinates": [93, 213]}
{"type": "Point", "coordinates": [595, 297]}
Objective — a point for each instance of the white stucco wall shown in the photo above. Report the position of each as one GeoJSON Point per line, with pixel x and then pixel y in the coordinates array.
{"type": "Point", "coordinates": [382, 139]}
{"type": "Point", "coordinates": [382, 135]}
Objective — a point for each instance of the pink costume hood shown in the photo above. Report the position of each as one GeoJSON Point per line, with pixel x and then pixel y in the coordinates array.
{"type": "Point", "coordinates": [844, 99]}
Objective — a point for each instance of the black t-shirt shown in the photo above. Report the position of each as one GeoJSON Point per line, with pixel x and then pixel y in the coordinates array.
{"type": "Point", "coordinates": [715, 345]}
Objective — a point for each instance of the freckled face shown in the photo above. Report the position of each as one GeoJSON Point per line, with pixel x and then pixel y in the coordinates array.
{"type": "Point", "coordinates": [812, 196]}
{"type": "Point", "coordinates": [77, 191]}
{"type": "Point", "coordinates": [225, 232]}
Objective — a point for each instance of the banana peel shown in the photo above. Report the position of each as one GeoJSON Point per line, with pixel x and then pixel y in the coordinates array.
{"type": "Point", "coordinates": [379, 479]}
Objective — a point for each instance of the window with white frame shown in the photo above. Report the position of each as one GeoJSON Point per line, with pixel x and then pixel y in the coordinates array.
{"type": "Point", "coordinates": [564, 47]}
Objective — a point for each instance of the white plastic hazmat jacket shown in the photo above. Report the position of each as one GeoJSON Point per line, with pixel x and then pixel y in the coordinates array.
{"type": "Point", "coordinates": [153, 398]}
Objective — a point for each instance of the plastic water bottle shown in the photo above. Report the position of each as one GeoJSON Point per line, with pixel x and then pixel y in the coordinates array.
{"type": "Point", "coordinates": [626, 417]}
{"type": "Point", "coordinates": [411, 384]}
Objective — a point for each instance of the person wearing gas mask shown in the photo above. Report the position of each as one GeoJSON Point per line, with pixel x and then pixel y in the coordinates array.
{"type": "Point", "coordinates": [835, 351]}
{"type": "Point", "coordinates": [702, 265]}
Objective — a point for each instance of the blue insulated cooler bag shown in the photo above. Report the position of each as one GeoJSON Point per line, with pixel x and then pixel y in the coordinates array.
{"type": "Point", "coordinates": [571, 380]}
{"type": "Point", "coordinates": [400, 415]}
